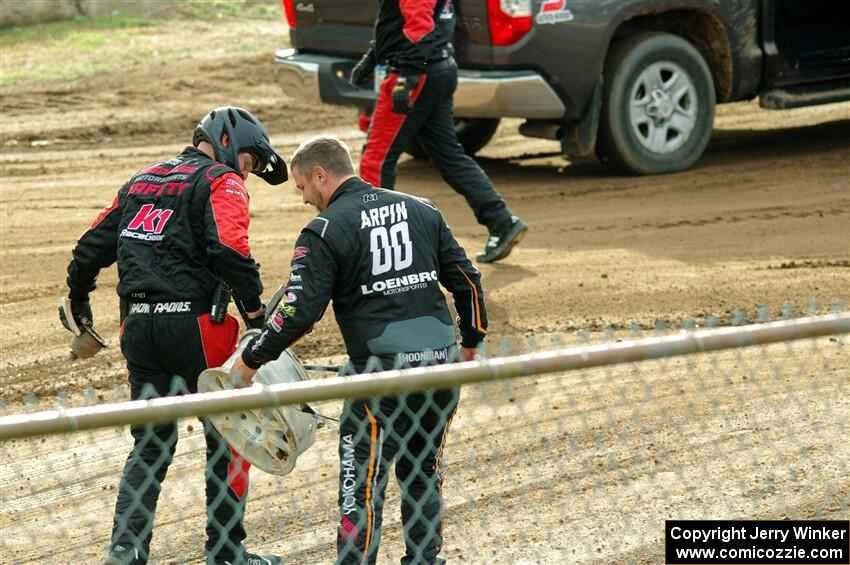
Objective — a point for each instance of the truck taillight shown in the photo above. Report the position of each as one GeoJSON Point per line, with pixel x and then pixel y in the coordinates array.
{"type": "Point", "coordinates": [509, 20]}
{"type": "Point", "coordinates": [289, 10]}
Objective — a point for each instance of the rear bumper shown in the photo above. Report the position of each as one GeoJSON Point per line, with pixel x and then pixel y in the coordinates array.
{"type": "Point", "coordinates": [480, 94]}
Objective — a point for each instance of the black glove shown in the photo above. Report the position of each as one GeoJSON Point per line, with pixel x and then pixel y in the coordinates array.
{"type": "Point", "coordinates": [255, 323]}
{"type": "Point", "coordinates": [402, 91]}
{"type": "Point", "coordinates": [81, 311]}
{"type": "Point", "coordinates": [362, 71]}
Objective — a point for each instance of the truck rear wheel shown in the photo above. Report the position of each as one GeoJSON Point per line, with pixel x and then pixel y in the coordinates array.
{"type": "Point", "coordinates": [657, 105]}
{"type": "Point", "coordinates": [472, 133]}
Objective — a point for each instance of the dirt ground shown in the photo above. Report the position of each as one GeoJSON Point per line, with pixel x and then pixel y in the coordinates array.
{"type": "Point", "coordinates": [579, 468]}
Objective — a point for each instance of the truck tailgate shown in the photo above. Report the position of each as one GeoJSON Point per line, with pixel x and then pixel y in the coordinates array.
{"type": "Point", "coordinates": [341, 27]}
{"type": "Point", "coordinates": [345, 27]}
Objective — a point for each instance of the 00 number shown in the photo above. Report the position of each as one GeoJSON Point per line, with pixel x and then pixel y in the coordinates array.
{"type": "Point", "coordinates": [391, 248]}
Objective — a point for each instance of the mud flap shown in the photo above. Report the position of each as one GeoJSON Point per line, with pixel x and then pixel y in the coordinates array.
{"type": "Point", "coordinates": [580, 137]}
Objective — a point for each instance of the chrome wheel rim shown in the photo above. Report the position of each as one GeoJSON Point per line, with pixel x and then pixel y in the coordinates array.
{"type": "Point", "coordinates": [663, 107]}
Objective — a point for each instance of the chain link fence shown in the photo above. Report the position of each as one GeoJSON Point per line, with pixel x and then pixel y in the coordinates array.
{"type": "Point", "coordinates": [578, 466]}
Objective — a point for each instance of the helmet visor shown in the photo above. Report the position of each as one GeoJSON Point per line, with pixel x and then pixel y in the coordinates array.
{"type": "Point", "coordinates": [268, 165]}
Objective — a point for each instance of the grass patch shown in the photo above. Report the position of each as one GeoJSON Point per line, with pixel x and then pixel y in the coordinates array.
{"type": "Point", "coordinates": [193, 29]}
{"type": "Point", "coordinates": [221, 9]}
{"type": "Point", "coordinates": [78, 28]}
{"type": "Point", "coordinates": [63, 50]}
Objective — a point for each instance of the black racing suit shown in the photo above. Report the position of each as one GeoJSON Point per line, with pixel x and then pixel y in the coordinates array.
{"type": "Point", "coordinates": [412, 39]}
{"type": "Point", "coordinates": [381, 256]}
{"type": "Point", "coordinates": [176, 229]}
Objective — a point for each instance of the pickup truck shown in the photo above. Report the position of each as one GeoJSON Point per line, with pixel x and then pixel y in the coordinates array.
{"type": "Point", "coordinates": [635, 81]}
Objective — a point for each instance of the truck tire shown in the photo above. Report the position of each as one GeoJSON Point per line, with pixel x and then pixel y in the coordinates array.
{"type": "Point", "coordinates": [472, 133]}
{"type": "Point", "coordinates": [657, 105]}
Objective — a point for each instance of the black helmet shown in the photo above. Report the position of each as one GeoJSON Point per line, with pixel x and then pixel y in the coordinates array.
{"type": "Point", "coordinates": [246, 135]}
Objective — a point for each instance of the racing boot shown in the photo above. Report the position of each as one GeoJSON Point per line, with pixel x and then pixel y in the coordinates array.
{"type": "Point", "coordinates": [254, 559]}
{"type": "Point", "coordinates": [123, 555]}
{"type": "Point", "coordinates": [502, 240]}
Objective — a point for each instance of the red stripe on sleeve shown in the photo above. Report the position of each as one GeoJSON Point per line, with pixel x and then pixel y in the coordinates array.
{"type": "Point", "coordinates": [418, 18]}
{"type": "Point", "coordinates": [229, 201]}
{"type": "Point", "coordinates": [104, 213]}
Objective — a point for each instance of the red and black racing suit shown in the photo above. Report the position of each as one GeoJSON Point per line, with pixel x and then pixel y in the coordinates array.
{"type": "Point", "coordinates": [381, 256]}
{"type": "Point", "coordinates": [412, 38]}
{"type": "Point", "coordinates": [176, 229]}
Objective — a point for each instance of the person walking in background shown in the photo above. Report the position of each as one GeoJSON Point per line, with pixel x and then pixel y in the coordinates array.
{"type": "Point", "coordinates": [412, 40]}
{"type": "Point", "coordinates": [179, 233]}
{"type": "Point", "coordinates": [381, 256]}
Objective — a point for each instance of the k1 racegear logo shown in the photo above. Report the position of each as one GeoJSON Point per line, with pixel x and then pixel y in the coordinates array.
{"type": "Point", "coordinates": [148, 223]}
{"type": "Point", "coordinates": [553, 12]}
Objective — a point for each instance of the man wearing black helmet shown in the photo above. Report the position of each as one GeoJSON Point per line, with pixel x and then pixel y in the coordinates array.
{"type": "Point", "coordinates": [178, 230]}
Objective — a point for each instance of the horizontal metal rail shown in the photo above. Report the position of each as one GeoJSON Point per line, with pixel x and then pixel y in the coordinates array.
{"type": "Point", "coordinates": [406, 380]}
